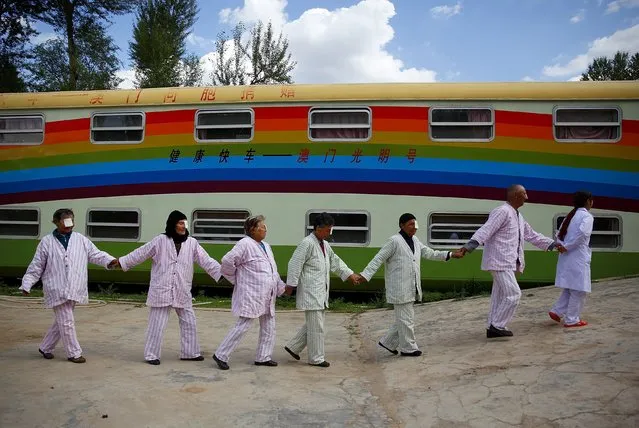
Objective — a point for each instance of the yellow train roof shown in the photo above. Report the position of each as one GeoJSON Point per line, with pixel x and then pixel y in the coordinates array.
{"type": "Point", "coordinates": [538, 91]}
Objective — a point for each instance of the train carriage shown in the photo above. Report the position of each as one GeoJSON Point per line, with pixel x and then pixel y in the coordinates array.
{"type": "Point", "coordinates": [123, 159]}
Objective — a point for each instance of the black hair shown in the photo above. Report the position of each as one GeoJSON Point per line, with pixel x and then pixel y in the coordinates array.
{"type": "Point", "coordinates": [322, 220]}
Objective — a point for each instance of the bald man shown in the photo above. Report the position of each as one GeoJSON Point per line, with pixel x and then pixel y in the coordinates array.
{"type": "Point", "coordinates": [503, 237]}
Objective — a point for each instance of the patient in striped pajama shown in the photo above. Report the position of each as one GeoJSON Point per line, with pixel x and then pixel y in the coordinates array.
{"type": "Point", "coordinates": [401, 256]}
{"type": "Point", "coordinates": [173, 254]}
{"type": "Point", "coordinates": [61, 262]}
{"type": "Point", "coordinates": [250, 267]}
{"type": "Point", "coordinates": [309, 272]}
{"type": "Point", "coordinates": [503, 236]}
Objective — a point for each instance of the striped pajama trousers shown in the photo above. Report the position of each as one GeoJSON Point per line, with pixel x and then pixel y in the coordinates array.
{"type": "Point", "coordinates": [402, 333]}
{"type": "Point", "coordinates": [312, 335]}
{"type": "Point", "coordinates": [266, 340]}
{"type": "Point", "coordinates": [63, 327]}
{"type": "Point", "coordinates": [504, 298]}
{"type": "Point", "coordinates": [570, 304]}
{"type": "Point", "coordinates": [158, 317]}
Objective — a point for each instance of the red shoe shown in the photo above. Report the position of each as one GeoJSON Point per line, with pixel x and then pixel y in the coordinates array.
{"type": "Point", "coordinates": [554, 316]}
{"type": "Point", "coordinates": [579, 324]}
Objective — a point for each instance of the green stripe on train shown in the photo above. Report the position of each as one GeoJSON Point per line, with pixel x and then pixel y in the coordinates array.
{"type": "Point", "coordinates": [540, 266]}
{"type": "Point", "coordinates": [211, 150]}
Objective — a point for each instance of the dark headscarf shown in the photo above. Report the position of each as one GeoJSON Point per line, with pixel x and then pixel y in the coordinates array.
{"type": "Point", "coordinates": [171, 222]}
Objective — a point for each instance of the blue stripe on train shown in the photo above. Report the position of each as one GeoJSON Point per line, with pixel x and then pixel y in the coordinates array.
{"type": "Point", "coordinates": [434, 165]}
{"type": "Point", "coordinates": [228, 173]}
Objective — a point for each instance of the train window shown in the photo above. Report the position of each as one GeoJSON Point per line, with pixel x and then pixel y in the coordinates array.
{"type": "Point", "coordinates": [224, 125]}
{"type": "Point", "coordinates": [21, 130]}
{"type": "Point", "coordinates": [351, 228]}
{"type": "Point", "coordinates": [117, 128]}
{"type": "Point", "coordinates": [587, 125]}
{"type": "Point", "coordinates": [606, 231]}
{"type": "Point", "coordinates": [219, 225]}
{"type": "Point", "coordinates": [113, 224]}
{"type": "Point", "coordinates": [19, 222]}
{"type": "Point", "coordinates": [475, 124]}
{"type": "Point", "coordinates": [447, 230]}
{"type": "Point", "coordinates": [339, 124]}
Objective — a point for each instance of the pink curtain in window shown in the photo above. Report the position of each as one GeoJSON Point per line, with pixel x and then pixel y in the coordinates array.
{"type": "Point", "coordinates": [342, 133]}
{"type": "Point", "coordinates": [479, 116]}
{"type": "Point", "coordinates": [340, 118]}
{"type": "Point", "coordinates": [20, 123]}
{"type": "Point", "coordinates": [586, 132]}
{"type": "Point", "coordinates": [585, 116]}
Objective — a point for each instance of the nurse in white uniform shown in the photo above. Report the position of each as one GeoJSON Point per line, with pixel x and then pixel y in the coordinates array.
{"type": "Point", "coordinates": [573, 267]}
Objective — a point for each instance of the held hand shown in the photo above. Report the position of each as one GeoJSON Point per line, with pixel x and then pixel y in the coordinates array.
{"type": "Point", "coordinates": [457, 254]}
{"type": "Point", "coordinates": [360, 279]}
{"type": "Point", "coordinates": [561, 248]}
{"type": "Point", "coordinates": [115, 263]}
{"type": "Point", "coordinates": [354, 278]}
{"type": "Point", "coordinates": [289, 290]}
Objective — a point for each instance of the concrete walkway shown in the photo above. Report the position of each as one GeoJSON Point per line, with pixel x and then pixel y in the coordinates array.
{"type": "Point", "coordinates": [545, 376]}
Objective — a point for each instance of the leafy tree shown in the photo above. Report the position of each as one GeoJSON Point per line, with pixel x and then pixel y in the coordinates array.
{"type": "Point", "coordinates": [230, 63]}
{"type": "Point", "coordinates": [71, 18]}
{"type": "Point", "coordinates": [96, 62]}
{"type": "Point", "coordinates": [15, 31]}
{"type": "Point", "coordinates": [192, 72]}
{"type": "Point", "coordinates": [262, 59]}
{"type": "Point", "coordinates": [158, 49]}
{"type": "Point", "coordinates": [620, 67]}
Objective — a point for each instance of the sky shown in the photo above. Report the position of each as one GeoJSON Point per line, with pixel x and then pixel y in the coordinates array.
{"type": "Point", "coordinates": [369, 41]}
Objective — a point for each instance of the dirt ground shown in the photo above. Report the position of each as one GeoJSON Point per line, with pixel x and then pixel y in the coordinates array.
{"type": "Point", "coordinates": [544, 376]}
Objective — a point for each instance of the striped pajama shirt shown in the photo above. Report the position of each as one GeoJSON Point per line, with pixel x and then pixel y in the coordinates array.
{"type": "Point", "coordinates": [170, 287]}
{"type": "Point", "coordinates": [503, 237]}
{"type": "Point", "coordinates": [309, 271]}
{"type": "Point", "coordinates": [402, 277]}
{"type": "Point", "coordinates": [256, 283]}
{"type": "Point", "coordinates": [64, 275]}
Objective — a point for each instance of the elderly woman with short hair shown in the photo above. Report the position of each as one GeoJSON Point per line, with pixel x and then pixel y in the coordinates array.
{"type": "Point", "coordinates": [250, 267]}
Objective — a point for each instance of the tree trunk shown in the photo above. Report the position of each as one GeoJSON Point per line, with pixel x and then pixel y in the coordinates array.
{"type": "Point", "coordinates": [73, 58]}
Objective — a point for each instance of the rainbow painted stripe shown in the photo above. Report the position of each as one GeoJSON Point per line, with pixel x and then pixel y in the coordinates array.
{"type": "Point", "coordinates": [68, 166]}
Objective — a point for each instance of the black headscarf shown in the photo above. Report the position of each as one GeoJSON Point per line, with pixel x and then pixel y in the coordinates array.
{"type": "Point", "coordinates": [171, 222]}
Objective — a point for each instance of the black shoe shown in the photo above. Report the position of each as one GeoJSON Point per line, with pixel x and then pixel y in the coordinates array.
{"type": "Point", "coordinates": [198, 358]}
{"type": "Point", "coordinates": [293, 354]}
{"type": "Point", "coordinates": [153, 362]}
{"type": "Point", "coordinates": [412, 354]}
{"type": "Point", "coordinates": [492, 332]}
{"type": "Point", "coordinates": [394, 352]}
{"type": "Point", "coordinates": [221, 364]}
{"type": "Point", "coordinates": [78, 360]}
{"type": "Point", "coordinates": [46, 355]}
{"type": "Point", "coordinates": [322, 364]}
{"type": "Point", "coordinates": [269, 363]}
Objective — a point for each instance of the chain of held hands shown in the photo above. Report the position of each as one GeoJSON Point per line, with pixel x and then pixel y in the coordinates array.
{"type": "Point", "coordinates": [355, 278]}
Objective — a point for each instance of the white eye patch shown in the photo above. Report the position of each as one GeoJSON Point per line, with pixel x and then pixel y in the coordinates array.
{"type": "Point", "coordinates": [186, 224]}
{"type": "Point", "coordinates": [416, 225]}
{"type": "Point", "coordinates": [67, 222]}
{"type": "Point", "coordinates": [330, 232]}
